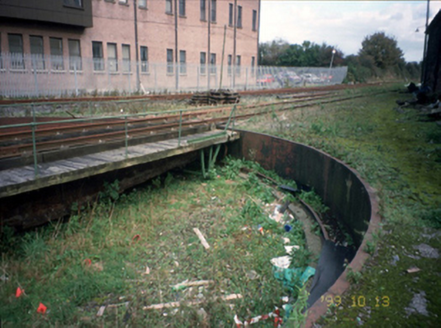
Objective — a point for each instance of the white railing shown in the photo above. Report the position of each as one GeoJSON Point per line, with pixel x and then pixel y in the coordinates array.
{"type": "Point", "coordinates": [37, 76]}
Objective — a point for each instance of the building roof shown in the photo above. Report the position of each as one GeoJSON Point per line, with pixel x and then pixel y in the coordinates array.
{"type": "Point", "coordinates": [435, 23]}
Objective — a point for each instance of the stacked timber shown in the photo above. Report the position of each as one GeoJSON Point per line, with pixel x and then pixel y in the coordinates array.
{"type": "Point", "coordinates": [214, 97]}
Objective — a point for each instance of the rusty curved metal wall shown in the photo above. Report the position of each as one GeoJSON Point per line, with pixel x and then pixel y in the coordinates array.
{"type": "Point", "coordinates": [350, 199]}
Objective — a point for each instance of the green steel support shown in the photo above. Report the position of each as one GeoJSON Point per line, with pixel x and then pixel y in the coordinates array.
{"type": "Point", "coordinates": [34, 149]}
{"type": "Point", "coordinates": [180, 128]}
{"type": "Point", "coordinates": [229, 118]}
{"type": "Point", "coordinates": [127, 137]}
{"type": "Point", "coordinates": [203, 163]}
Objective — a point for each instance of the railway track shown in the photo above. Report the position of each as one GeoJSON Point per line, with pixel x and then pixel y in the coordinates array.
{"type": "Point", "coordinates": [16, 142]}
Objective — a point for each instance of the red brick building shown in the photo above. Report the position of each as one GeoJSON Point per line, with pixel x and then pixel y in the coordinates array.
{"type": "Point", "coordinates": [127, 36]}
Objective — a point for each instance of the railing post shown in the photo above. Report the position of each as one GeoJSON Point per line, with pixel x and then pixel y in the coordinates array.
{"type": "Point", "coordinates": [35, 77]}
{"type": "Point", "coordinates": [127, 137]}
{"type": "Point", "coordinates": [34, 150]}
{"type": "Point", "coordinates": [180, 127]}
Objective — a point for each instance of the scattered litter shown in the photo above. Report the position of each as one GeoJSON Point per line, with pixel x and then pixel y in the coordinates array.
{"type": "Point", "coordinates": [147, 270]}
{"type": "Point", "coordinates": [136, 238]}
{"type": "Point", "coordinates": [285, 299]}
{"type": "Point", "coordinates": [290, 249]}
{"type": "Point", "coordinates": [288, 228]}
{"type": "Point", "coordinates": [286, 240]}
{"type": "Point", "coordinates": [100, 311]}
{"type": "Point", "coordinates": [293, 278]}
{"type": "Point", "coordinates": [413, 270]}
{"type": "Point", "coordinates": [275, 314]}
{"type": "Point", "coordinates": [18, 292]}
{"type": "Point", "coordinates": [4, 278]}
{"type": "Point", "coordinates": [395, 259]}
{"type": "Point", "coordinates": [41, 308]}
{"type": "Point", "coordinates": [201, 238]}
{"type": "Point", "coordinates": [282, 262]}
{"type": "Point", "coordinates": [261, 230]}
{"type": "Point", "coordinates": [177, 264]}
{"type": "Point", "coordinates": [187, 283]}
{"type": "Point", "coordinates": [87, 262]}
{"type": "Point", "coordinates": [244, 228]}
{"type": "Point", "coordinates": [177, 304]}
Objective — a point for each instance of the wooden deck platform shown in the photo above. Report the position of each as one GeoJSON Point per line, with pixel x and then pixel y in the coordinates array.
{"type": "Point", "coordinates": [22, 179]}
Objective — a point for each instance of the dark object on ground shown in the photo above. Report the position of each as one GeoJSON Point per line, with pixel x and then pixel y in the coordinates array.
{"type": "Point", "coordinates": [411, 88]}
{"type": "Point", "coordinates": [214, 97]}
{"type": "Point", "coordinates": [329, 268]}
{"type": "Point", "coordinates": [292, 190]}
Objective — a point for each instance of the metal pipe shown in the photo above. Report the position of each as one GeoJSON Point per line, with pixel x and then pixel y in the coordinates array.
{"type": "Point", "coordinates": [209, 50]}
{"type": "Point", "coordinates": [424, 66]}
{"type": "Point", "coordinates": [222, 60]}
{"type": "Point", "coordinates": [135, 9]}
{"type": "Point", "coordinates": [176, 45]}
{"type": "Point", "coordinates": [234, 43]}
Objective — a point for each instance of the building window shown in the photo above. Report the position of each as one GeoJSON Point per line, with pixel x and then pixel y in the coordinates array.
{"type": "Point", "coordinates": [126, 57]}
{"type": "Point", "coordinates": [182, 62]}
{"type": "Point", "coordinates": [56, 45]}
{"type": "Point", "coordinates": [181, 7]}
{"type": "Point", "coordinates": [169, 61]}
{"type": "Point", "coordinates": [97, 53]}
{"type": "Point", "coordinates": [37, 52]}
{"type": "Point", "coordinates": [73, 3]}
{"type": "Point", "coordinates": [254, 20]}
{"type": "Point", "coordinates": [230, 14]}
{"type": "Point", "coordinates": [75, 63]}
{"type": "Point", "coordinates": [142, 4]}
{"type": "Point", "coordinates": [237, 65]}
{"type": "Point", "coordinates": [230, 62]}
{"type": "Point", "coordinates": [112, 57]}
{"type": "Point", "coordinates": [253, 64]}
{"type": "Point", "coordinates": [15, 42]}
{"type": "Point", "coordinates": [239, 16]}
{"type": "Point", "coordinates": [168, 6]}
{"type": "Point", "coordinates": [213, 10]}
{"type": "Point", "coordinates": [123, 2]}
{"type": "Point", "coordinates": [203, 62]}
{"type": "Point", "coordinates": [203, 10]}
{"type": "Point", "coordinates": [144, 59]}
{"type": "Point", "coordinates": [213, 63]}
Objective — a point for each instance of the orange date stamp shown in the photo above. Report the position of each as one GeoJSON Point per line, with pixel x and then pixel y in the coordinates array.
{"type": "Point", "coordinates": [357, 301]}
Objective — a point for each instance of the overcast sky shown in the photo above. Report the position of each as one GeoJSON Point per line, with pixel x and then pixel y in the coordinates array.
{"type": "Point", "coordinates": [345, 24]}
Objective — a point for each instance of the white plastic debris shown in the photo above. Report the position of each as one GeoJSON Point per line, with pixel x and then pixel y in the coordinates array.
{"type": "Point", "coordinates": [290, 249]}
{"type": "Point", "coordinates": [282, 262]}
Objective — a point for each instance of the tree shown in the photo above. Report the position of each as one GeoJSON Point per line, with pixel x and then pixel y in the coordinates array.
{"type": "Point", "coordinates": [383, 50]}
{"type": "Point", "coordinates": [269, 52]}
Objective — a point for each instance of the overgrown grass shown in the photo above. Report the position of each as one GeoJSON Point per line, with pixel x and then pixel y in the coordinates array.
{"type": "Point", "coordinates": [101, 256]}
{"type": "Point", "coordinates": [398, 154]}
